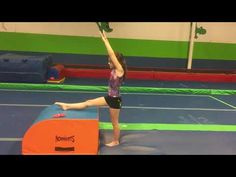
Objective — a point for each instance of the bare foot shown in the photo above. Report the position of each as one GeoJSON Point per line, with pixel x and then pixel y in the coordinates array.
{"type": "Point", "coordinates": [64, 106]}
{"type": "Point", "coordinates": [113, 143]}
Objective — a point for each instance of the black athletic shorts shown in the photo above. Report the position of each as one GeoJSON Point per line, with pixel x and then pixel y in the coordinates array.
{"type": "Point", "coordinates": [113, 102]}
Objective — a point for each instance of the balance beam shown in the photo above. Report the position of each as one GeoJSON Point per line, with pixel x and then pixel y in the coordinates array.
{"type": "Point", "coordinates": [77, 132]}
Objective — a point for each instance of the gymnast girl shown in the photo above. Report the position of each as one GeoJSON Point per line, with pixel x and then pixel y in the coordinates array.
{"type": "Point", "coordinates": [113, 99]}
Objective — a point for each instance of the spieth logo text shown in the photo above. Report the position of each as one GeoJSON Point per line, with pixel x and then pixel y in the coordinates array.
{"type": "Point", "coordinates": [65, 138]}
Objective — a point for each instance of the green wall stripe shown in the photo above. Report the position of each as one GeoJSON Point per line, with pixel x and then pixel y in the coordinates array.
{"type": "Point", "coordinates": [25, 86]}
{"type": "Point", "coordinates": [90, 45]}
{"type": "Point", "coordinates": [130, 47]}
{"type": "Point", "coordinates": [172, 127]}
{"type": "Point", "coordinates": [151, 48]}
{"type": "Point", "coordinates": [50, 43]}
{"type": "Point", "coordinates": [217, 51]}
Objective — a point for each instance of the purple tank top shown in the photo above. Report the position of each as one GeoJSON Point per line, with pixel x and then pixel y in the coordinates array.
{"type": "Point", "coordinates": [114, 84]}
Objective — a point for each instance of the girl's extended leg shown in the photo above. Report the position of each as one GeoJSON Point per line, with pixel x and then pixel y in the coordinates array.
{"type": "Point", "coordinates": [93, 102]}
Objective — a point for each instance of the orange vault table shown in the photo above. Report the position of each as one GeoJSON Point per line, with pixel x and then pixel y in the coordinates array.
{"type": "Point", "coordinates": [56, 131]}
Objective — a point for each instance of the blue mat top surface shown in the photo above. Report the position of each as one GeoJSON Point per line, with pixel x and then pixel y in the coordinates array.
{"type": "Point", "coordinates": [50, 111]}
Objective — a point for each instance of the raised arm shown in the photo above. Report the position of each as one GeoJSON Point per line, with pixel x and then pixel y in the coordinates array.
{"type": "Point", "coordinates": [111, 53]}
